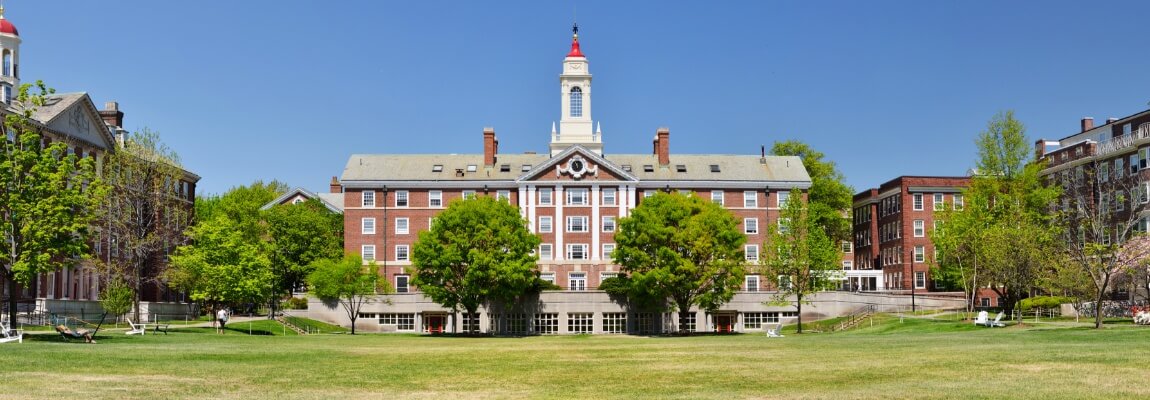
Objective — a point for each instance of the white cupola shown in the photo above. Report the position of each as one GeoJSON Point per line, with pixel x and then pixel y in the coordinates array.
{"type": "Point", "coordinates": [575, 125]}
{"type": "Point", "coordinates": [9, 59]}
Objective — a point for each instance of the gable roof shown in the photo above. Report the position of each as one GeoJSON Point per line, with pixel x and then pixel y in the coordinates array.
{"type": "Point", "coordinates": [333, 201]}
{"type": "Point", "coordinates": [75, 116]}
{"type": "Point", "coordinates": [590, 156]}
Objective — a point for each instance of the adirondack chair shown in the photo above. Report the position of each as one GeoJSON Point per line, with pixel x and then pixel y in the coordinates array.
{"type": "Point", "coordinates": [776, 331]}
{"type": "Point", "coordinates": [10, 335]}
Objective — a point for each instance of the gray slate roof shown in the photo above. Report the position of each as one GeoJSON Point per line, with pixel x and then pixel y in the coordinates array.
{"type": "Point", "coordinates": [418, 167]}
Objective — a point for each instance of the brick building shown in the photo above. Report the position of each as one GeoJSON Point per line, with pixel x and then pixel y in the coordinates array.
{"type": "Point", "coordinates": [572, 196]}
{"type": "Point", "coordinates": [892, 226]}
{"type": "Point", "coordinates": [72, 118]}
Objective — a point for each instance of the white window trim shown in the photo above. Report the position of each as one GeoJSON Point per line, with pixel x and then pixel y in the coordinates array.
{"type": "Point", "coordinates": [748, 250]}
{"type": "Point", "coordinates": [570, 193]}
{"type": "Point", "coordinates": [435, 195]}
{"type": "Point", "coordinates": [549, 254]}
{"type": "Point", "coordinates": [586, 250]}
{"type": "Point", "coordinates": [919, 228]}
{"type": "Point", "coordinates": [781, 198]}
{"type": "Point", "coordinates": [549, 199]}
{"type": "Point", "coordinates": [363, 251]}
{"type": "Point", "coordinates": [364, 198]}
{"type": "Point", "coordinates": [406, 198]}
{"type": "Point", "coordinates": [406, 251]}
{"type": "Point", "coordinates": [404, 228]}
{"type": "Point", "coordinates": [614, 197]}
{"type": "Point", "coordinates": [747, 283]}
{"type": "Point", "coordinates": [749, 223]}
{"type": "Point", "coordinates": [613, 225]}
{"type": "Point", "coordinates": [364, 228]}
{"type": "Point", "coordinates": [717, 200]}
{"type": "Point", "coordinates": [607, 254]}
{"type": "Point", "coordinates": [406, 288]}
{"type": "Point", "coordinates": [550, 225]}
{"type": "Point", "coordinates": [750, 199]}
{"type": "Point", "coordinates": [586, 222]}
{"type": "Point", "coordinates": [917, 201]}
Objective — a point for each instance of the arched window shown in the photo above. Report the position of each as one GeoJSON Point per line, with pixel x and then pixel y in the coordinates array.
{"type": "Point", "coordinates": [576, 102]}
{"type": "Point", "coordinates": [7, 63]}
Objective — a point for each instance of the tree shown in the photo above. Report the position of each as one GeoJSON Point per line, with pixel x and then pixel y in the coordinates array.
{"type": "Point", "coordinates": [829, 197]}
{"type": "Point", "coordinates": [683, 248]}
{"type": "Point", "coordinates": [348, 282]}
{"type": "Point", "coordinates": [47, 198]}
{"type": "Point", "coordinates": [145, 216]}
{"type": "Point", "coordinates": [221, 266]}
{"type": "Point", "coordinates": [476, 251]}
{"type": "Point", "coordinates": [1101, 221]}
{"type": "Point", "coordinates": [227, 259]}
{"type": "Point", "coordinates": [1005, 232]}
{"type": "Point", "coordinates": [799, 258]}
{"type": "Point", "coordinates": [298, 236]}
{"type": "Point", "coordinates": [117, 297]}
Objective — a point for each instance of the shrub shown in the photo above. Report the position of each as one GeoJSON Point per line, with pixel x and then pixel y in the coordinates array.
{"type": "Point", "coordinates": [297, 303]}
{"type": "Point", "coordinates": [1031, 303]}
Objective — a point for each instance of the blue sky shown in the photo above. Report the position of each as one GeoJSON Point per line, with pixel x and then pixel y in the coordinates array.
{"type": "Point", "coordinates": [257, 89]}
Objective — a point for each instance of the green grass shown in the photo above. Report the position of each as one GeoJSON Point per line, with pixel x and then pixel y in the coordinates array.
{"type": "Point", "coordinates": [908, 358]}
{"type": "Point", "coordinates": [313, 326]}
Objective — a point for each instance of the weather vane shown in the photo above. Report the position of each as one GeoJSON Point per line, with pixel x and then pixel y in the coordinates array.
{"type": "Point", "coordinates": [575, 28]}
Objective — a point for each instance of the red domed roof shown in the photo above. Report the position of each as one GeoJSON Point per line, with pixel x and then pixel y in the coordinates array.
{"type": "Point", "coordinates": [7, 27]}
{"type": "Point", "coordinates": [574, 47]}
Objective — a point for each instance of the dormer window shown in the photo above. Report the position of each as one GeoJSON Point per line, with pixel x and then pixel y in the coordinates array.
{"type": "Point", "coordinates": [525, 167]}
{"type": "Point", "coordinates": [627, 167]}
{"type": "Point", "coordinates": [714, 167]}
{"type": "Point", "coordinates": [505, 168]}
{"type": "Point", "coordinates": [648, 168]}
{"type": "Point", "coordinates": [576, 102]}
{"type": "Point", "coordinates": [437, 168]}
{"type": "Point", "coordinates": [680, 168]}
{"type": "Point", "coordinates": [471, 168]}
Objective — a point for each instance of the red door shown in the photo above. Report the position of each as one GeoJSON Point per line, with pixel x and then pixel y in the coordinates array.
{"type": "Point", "coordinates": [724, 323]}
{"type": "Point", "coordinates": [435, 323]}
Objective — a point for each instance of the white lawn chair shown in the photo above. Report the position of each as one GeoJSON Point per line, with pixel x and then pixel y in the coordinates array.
{"type": "Point", "coordinates": [11, 335]}
{"type": "Point", "coordinates": [137, 329]}
{"type": "Point", "coordinates": [997, 322]}
{"type": "Point", "coordinates": [982, 319]}
{"type": "Point", "coordinates": [776, 331]}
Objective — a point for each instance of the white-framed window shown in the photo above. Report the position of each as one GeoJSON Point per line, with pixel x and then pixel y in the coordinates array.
{"type": "Point", "coordinates": [919, 254]}
{"type": "Point", "coordinates": [545, 224]}
{"type": "Point", "coordinates": [753, 320]}
{"type": "Point", "coordinates": [435, 198]}
{"type": "Point", "coordinates": [402, 253]}
{"type": "Point", "coordinates": [576, 102]}
{"type": "Point", "coordinates": [547, 276]}
{"type": "Point", "coordinates": [367, 252]}
{"type": "Point", "coordinates": [577, 251]}
{"type": "Point", "coordinates": [402, 283]}
{"type": "Point", "coordinates": [609, 197]}
{"type": "Point", "coordinates": [368, 198]}
{"type": "Point", "coordinates": [576, 197]}
{"type": "Point", "coordinates": [503, 195]}
{"type": "Point", "coordinates": [401, 198]}
{"type": "Point", "coordinates": [957, 201]}
{"type": "Point", "coordinates": [752, 283]}
{"type": "Point", "coordinates": [919, 228]}
{"type": "Point", "coordinates": [609, 223]}
{"type": "Point", "coordinates": [545, 195]}
{"type": "Point", "coordinates": [401, 226]}
{"type": "Point", "coordinates": [648, 193]}
{"type": "Point", "coordinates": [751, 226]}
{"type": "Point", "coordinates": [577, 281]}
{"type": "Point", "coordinates": [1104, 171]}
{"type": "Point", "coordinates": [608, 249]}
{"type": "Point", "coordinates": [545, 253]}
{"type": "Point", "coordinates": [468, 194]}
{"type": "Point", "coordinates": [938, 204]}
{"type": "Point", "coordinates": [615, 322]}
{"type": "Point", "coordinates": [781, 198]}
{"type": "Point", "coordinates": [751, 252]}
{"type": "Point", "coordinates": [605, 275]}
{"type": "Point", "coordinates": [920, 280]}
{"type": "Point", "coordinates": [847, 247]}
{"type": "Point", "coordinates": [917, 201]}
{"type": "Point", "coordinates": [848, 265]}
{"type": "Point", "coordinates": [750, 199]}
{"type": "Point", "coordinates": [717, 197]}
{"type": "Point", "coordinates": [577, 224]}
{"type": "Point", "coordinates": [580, 322]}
{"type": "Point", "coordinates": [546, 323]}
{"type": "Point", "coordinates": [367, 226]}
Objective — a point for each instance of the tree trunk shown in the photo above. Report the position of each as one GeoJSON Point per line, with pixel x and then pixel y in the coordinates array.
{"type": "Point", "coordinates": [683, 310]}
{"type": "Point", "coordinates": [471, 328]}
{"type": "Point", "coordinates": [12, 288]}
{"type": "Point", "coordinates": [1098, 308]}
{"type": "Point", "coordinates": [799, 311]}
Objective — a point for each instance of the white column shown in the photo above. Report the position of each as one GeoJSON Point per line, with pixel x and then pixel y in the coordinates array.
{"type": "Point", "coordinates": [527, 198]}
{"type": "Point", "coordinates": [621, 200]}
{"type": "Point", "coordinates": [593, 226]}
{"type": "Point", "coordinates": [558, 225]}
{"type": "Point", "coordinates": [630, 199]}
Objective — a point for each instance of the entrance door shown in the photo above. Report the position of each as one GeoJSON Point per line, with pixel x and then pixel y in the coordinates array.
{"type": "Point", "coordinates": [435, 323]}
{"type": "Point", "coordinates": [724, 323]}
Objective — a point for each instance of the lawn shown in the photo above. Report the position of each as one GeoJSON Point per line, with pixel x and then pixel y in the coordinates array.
{"type": "Point", "coordinates": [893, 358]}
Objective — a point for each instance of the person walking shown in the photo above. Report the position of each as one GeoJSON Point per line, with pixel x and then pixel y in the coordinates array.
{"type": "Point", "coordinates": [221, 319]}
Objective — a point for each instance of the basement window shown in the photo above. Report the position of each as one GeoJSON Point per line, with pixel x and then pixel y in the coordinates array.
{"type": "Point", "coordinates": [680, 168]}
{"type": "Point", "coordinates": [715, 168]}
{"type": "Point", "coordinates": [437, 168]}
{"type": "Point", "coordinates": [505, 168]}
{"type": "Point", "coordinates": [648, 168]}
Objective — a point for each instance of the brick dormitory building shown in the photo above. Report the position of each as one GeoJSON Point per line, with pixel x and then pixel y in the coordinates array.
{"type": "Point", "coordinates": [72, 118]}
{"type": "Point", "coordinates": [573, 196]}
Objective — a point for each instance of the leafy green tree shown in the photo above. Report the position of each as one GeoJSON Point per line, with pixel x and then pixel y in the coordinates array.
{"type": "Point", "coordinates": [829, 197]}
{"type": "Point", "coordinates": [47, 198]}
{"type": "Point", "coordinates": [348, 282]}
{"type": "Point", "coordinates": [478, 250]}
{"type": "Point", "coordinates": [117, 297]}
{"type": "Point", "coordinates": [299, 235]}
{"type": "Point", "coordinates": [221, 266]}
{"type": "Point", "coordinates": [147, 213]}
{"type": "Point", "coordinates": [799, 258]}
{"type": "Point", "coordinates": [241, 204]}
{"type": "Point", "coordinates": [683, 248]}
{"type": "Point", "coordinates": [1005, 231]}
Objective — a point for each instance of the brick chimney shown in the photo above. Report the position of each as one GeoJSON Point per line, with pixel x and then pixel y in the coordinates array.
{"type": "Point", "coordinates": [112, 115]}
{"type": "Point", "coordinates": [490, 146]}
{"type": "Point", "coordinates": [336, 187]}
{"type": "Point", "coordinates": [662, 145]}
{"type": "Point", "coordinates": [1111, 120]}
{"type": "Point", "coordinates": [1087, 123]}
{"type": "Point", "coordinates": [1039, 148]}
